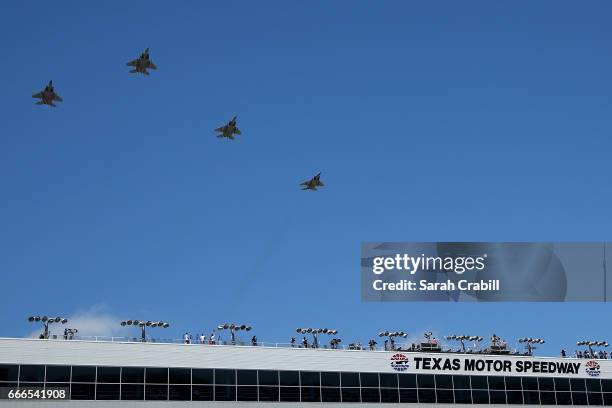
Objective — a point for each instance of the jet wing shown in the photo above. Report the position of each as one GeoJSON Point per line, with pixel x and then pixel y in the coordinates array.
{"type": "Point", "coordinates": [152, 65]}
{"type": "Point", "coordinates": [58, 98]}
{"type": "Point", "coordinates": [305, 183]}
{"type": "Point", "coordinates": [132, 63]}
{"type": "Point", "coordinates": [219, 129]}
{"type": "Point", "coordinates": [38, 95]}
{"type": "Point", "coordinates": [321, 184]}
{"type": "Point", "coordinates": [237, 131]}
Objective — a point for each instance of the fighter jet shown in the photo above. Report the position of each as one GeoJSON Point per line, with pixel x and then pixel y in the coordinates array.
{"type": "Point", "coordinates": [142, 63]}
{"type": "Point", "coordinates": [47, 96]}
{"type": "Point", "coordinates": [229, 130]}
{"type": "Point", "coordinates": [313, 183]}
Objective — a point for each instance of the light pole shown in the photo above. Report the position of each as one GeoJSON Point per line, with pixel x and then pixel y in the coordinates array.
{"type": "Point", "coordinates": [143, 325]}
{"type": "Point", "coordinates": [590, 345]}
{"type": "Point", "coordinates": [233, 328]}
{"type": "Point", "coordinates": [46, 322]}
{"type": "Point", "coordinates": [462, 338]}
{"type": "Point", "coordinates": [392, 335]}
{"type": "Point", "coordinates": [315, 334]}
{"type": "Point", "coordinates": [529, 343]}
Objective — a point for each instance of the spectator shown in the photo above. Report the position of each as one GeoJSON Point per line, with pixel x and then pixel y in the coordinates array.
{"type": "Point", "coordinates": [563, 353]}
{"type": "Point", "coordinates": [202, 338]}
{"type": "Point", "coordinates": [386, 344]}
{"type": "Point", "coordinates": [212, 337]}
{"type": "Point", "coordinates": [372, 343]}
{"type": "Point", "coordinates": [254, 340]}
{"type": "Point", "coordinates": [186, 338]}
{"type": "Point", "coordinates": [305, 342]}
{"type": "Point", "coordinates": [292, 341]}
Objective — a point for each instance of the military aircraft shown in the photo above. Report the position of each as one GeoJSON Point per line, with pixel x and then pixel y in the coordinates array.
{"type": "Point", "coordinates": [142, 63]}
{"type": "Point", "coordinates": [313, 183]}
{"type": "Point", "coordinates": [47, 96]}
{"type": "Point", "coordinates": [229, 130]}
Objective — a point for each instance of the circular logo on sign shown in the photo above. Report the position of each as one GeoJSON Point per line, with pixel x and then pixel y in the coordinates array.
{"type": "Point", "coordinates": [399, 362]}
{"type": "Point", "coordinates": [592, 368]}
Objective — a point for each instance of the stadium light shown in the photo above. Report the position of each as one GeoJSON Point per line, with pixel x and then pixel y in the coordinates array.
{"type": "Point", "coordinates": [392, 335]}
{"type": "Point", "coordinates": [529, 343]}
{"type": "Point", "coordinates": [143, 325]}
{"type": "Point", "coordinates": [46, 322]}
{"type": "Point", "coordinates": [315, 334]}
{"type": "Point", "coordinates": [462, 338]}
{"type": "Point", "coordinates": [590, 344]}
{"type": "Point", "coordinates": [233, 328]}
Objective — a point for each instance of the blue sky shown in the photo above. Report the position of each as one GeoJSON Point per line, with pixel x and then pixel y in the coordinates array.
{"type": "Point", "coordinates": [430, 120]}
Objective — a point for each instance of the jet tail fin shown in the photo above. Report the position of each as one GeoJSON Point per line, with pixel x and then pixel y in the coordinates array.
{"type": "Point", "coordinates": [133, 71]}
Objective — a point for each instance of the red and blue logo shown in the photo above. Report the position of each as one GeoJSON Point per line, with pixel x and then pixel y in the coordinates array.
{"type": "Point", "coordinates": [399, 362]}
{"type": "Point", "coordinates": [592, 368]}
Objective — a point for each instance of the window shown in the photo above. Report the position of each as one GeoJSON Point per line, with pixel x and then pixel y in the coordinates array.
{"type": "Point", "coordinates": [389, 395]}
{"type": "Point", "coordinates": [369, 380]}
{"type": "Point", "coordinates": [289, 394]}
{"type": "Point", "coordinates": [370, 395]}
{"type": "Point", "coordinates": [332, 379]}
{"type": "Point", "coordinates": [562, 384]}
{"type": "Point", "coordinates": [594, 398]}
{"type": "Point", "coordinates": [332, 394]}
{"type": "Point", "coordinates": [267, 393]}
{"type": "Point", "coordinates": [179, 393]}
{"type": "Point", "coordinates": [547, 398]}
{"type": "Point", "coordinates": [577, 384]}
{"type": "Point", "coordinates": [546, 384]}
{"type": "Point", "coordinates": [444, 396]}
{"type": "Point", "coordinates": [496, 383]}
{"type": "Point", "coordinates": [180, 376]}
{"type": "Point", "coordinates": [497, 397]}
{"type": "Point", "coordinates": [269, 377]}
{"type": "Point", "coordinates": [530, 383]}
{"type": "Point", "coordinates": [593, 385]}
{"type": "Point", "coordinates": [479, 382]}
{"type": "Point", "coordinates": [225, 392]}
{"type": "Point", "coordinates": [247, 377]}
{"type": "Point", "coordinates": [32, 373]}
{"type": "Point", "coordinates": [514, 383]}
{"type": "Point", "coordinates": [156, 392]}
{"type": "Point", "coordinates": [107, 374]}
{"type": "Point", "coordinates": [310, 379]}
{"type": "Point", "coordinates": [444, 382]}
{"type": "Point", "coordinates": [247, 393]}
{"type": "Point", "coordinates": [531, 397]}
{"type": "Point", "coordinates": [157, 376]}
{"type": "Point", "coordinates": [58, 374]}
{"type": "Point", "coordinates": [407, 380]}
{"type": "Point", "coordinates": [83, 374]}
{"type": "Point", "coordinates": [514, 397]}
{"type": "Point", "coordinates": [8, 372]}
{"type": "Point", "coordinates": [463, 396]}
{"type": "Point", "coordinates": [427, 396]}
{"type": "Point", "coordinates": [132, 392]}
{"type": "Point", "coordinates": [480, 397]}
{"type": "Point", "coordinates": [579, 398]}
{"type": "Point", "coordinates": [426, 381]}
{"type": "Point", "coordinates": [350, 395]}
{"type": "Point", "coordinates": [291, 378]}
{"type": "Point", "coordinates": [225, 377]}
{"type": "Point", "coordinates": [82, 391]}
{"type": "Point", "coordinates": [563, 398]}
{"type": "Point", "coordinates": [202, 376]}
{"type": "Point", "coordinates": [606, 385]}
{"type": "Point", "coordinates": [202, 392]}
{"type": "Point", "coordinates": [311, 394]}
{"type": "Point", "coordinates": [107, 391]}
{"type": "Point", "coordinates": [349, 380]}
{"type": "Point", "coordinates": [461, 382]}
{"type": "Point", "coordinates": [133, 375]}
{"type": "Point", "coordinates": [408, 395]}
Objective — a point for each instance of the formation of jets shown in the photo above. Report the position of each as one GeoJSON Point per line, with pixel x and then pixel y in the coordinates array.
{"type": "Point", "coordinates": [141, 65]}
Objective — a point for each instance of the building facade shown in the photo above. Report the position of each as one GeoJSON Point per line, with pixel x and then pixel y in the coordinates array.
{"type": "Point", "coordinates": [117, 374]}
